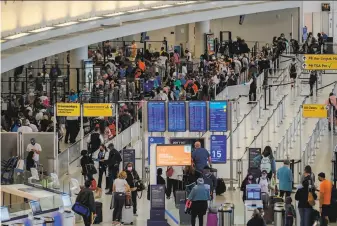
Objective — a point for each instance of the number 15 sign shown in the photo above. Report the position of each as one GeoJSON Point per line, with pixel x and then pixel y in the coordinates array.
{"type": "Point", "coordinates": [218, 148]}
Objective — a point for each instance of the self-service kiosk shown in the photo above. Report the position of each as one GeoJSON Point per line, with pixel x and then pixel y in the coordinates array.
{"type": "Point", "coordinates": [253, 201]}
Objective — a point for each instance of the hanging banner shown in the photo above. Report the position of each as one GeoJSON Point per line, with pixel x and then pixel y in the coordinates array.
{"type": "Point", "coordinates": [154, 140]}
{"type": "Point", "coordinates": [97, 110]}
{"type": "Point", "coordinates": [218, 148]}
{"type": "Point", "coordinates": [314, 111]}
{"type": "Point", "coordinates": [68, 109]}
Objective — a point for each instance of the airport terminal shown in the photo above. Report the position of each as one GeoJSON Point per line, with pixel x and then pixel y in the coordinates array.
{"type": "Point", "coordinates": [153, 113]}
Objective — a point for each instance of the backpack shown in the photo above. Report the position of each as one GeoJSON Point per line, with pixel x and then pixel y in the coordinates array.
{"type": "Point", "coordinates": [265, 164]}
{"type": "Point", "coordinates": [293, 68]}
{"type": "Point", "coordinates": [169, 172]}
{"type": "Point", "coordinates": [221, 186]}
{"type": "Point", "coordinates": [208, 182]}
{"type": "Point", "coordinates": [95, 141]}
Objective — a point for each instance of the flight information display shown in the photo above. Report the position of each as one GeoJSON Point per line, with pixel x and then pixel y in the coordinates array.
{"type": "Point", "coordinates": [218, 116]}
{"type": "Point", "coordinates": [156, 116]}
{"type": "Point", "coordinates": [176, 116]}
{"type": "Point", "coordinates": [197, 116]}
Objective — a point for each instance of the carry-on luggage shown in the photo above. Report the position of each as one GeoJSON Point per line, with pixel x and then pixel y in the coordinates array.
{"type": "Point", "coordinates": [99, 213]}
{"type": "Point", "coordinates": [184, 216]}
{"type": "Point", "coordinates": [214, 172]}
{"type": "Point", "coordinates": [220, 186]}
{"type": "Point", "coordinates": [212, 219]}
{"type": "Point", "coordinates": [180, 194]}
{"type": "Point", "coordinates": [127, 215]}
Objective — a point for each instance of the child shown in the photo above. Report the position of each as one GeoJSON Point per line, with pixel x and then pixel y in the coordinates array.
{"type": "Point", "coordinates": [290, 213]}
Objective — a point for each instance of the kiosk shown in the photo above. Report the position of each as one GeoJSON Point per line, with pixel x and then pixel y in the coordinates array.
{"type": "Point", "coordinates": [253, 201]}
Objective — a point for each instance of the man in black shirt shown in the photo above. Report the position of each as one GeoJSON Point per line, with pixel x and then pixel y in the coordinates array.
{"type": "Point", "coordinates": [113, 165]}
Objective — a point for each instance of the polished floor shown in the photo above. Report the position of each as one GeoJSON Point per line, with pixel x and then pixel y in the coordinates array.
{"type": "Point", "coordinates": [274, 134]}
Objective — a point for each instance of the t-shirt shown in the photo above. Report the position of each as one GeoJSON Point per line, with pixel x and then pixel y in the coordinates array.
{"type": "Point", "coordinates": [189, 56]}
{"type": "Point", "coordinates": [73, 98]}
{"type": "Point", "coordinates": [37, 147]}
{"type": "Point", "coordinates": [162, 60]}
{"type": "Point", "coordinates": [326, 188]}
{"type": "Point", "coordinates": [25, 129]}
{"type": "Point", "coordinates": [200, 157]}
{"type": "Point", "coordinates": [120, 185]}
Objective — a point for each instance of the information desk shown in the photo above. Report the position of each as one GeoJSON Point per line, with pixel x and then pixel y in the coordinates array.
{"type": "Point", "coordinates": [15, 193]}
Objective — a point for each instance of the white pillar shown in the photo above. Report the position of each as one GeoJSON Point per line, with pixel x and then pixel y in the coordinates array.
{"type": "Point", "coordinates": [76, 61]}
{"type": "Point", "coordinates": [200, 29]}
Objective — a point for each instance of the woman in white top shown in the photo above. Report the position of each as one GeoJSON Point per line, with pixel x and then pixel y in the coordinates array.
{"type": "Point", "coordinates": [120, 188]}
{"type": "Point", "coordinates": [174, 181]}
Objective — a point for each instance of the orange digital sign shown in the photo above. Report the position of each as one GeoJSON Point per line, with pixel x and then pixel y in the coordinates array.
{"type": "Point", "coordinates": [173, 155]}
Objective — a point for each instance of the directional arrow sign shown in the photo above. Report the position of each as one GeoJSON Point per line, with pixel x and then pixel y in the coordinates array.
{"type": "Point", "coordinates": [304, 66]}
{"type": "Point", "coordinates": [304, 58]}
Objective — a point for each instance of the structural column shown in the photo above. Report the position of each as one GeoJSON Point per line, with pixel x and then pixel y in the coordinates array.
{"type": "Point", "coordinates": [76, 61]}
{"type": "Point", "coordinates": [200, 29]}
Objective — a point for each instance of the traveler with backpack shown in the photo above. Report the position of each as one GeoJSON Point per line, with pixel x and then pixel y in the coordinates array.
{"type": "Point", "coordinates": [332, 106]}
{"type": "Point", "coordinates": [95, 140]}
{"type": "Point", "coordinates": [132, 177]}
{"type": "Point", "coordinates": [293, 71]}
{"type": "Point", "coordinates": [306, 200]}
{"type": "Point", "coordinates": [290, 212]}
{"type": "Point", "coordinates": [264, 182]}
{"type": "Point", "coordinates": [209, 180]}
{"type": "Point", "coordinates": [285, 177]}
{"type": "Point", "coordinates": [113, 162]}
{"type": "Point", "coordinates": [85, 161]}
{"type": "Point", "coordinates": [266, 162]}
{"type": "Point", "coordinates": [86, 198]}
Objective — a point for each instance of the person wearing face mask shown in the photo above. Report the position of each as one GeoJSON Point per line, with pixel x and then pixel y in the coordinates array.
{"type": "Point", "coordinates": [102, 166]}
{"type": "Point", "coordinates": [248, 180]}
{"type": "Point", "coordinates": [36, 148]}
{"type": "Point", "coordinates": [132, 177]}
{"type": "Point", "coordinates": [285, 177]}
{"type": "Point", "coordinates": [266, 162]}
{"type": "Point", "coordinates": [73, 97]}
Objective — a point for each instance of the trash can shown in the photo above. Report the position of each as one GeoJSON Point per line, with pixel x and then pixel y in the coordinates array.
{"type": "Point", "coordinates": [225, 215]}
{"type": "Point", "coordinates": [232, 207]}
{"type": "Point", "coordinates": [278, 215]}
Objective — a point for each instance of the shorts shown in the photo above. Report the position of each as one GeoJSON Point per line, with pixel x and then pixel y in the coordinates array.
{"type": "Point", "coordinates": [325, 210]}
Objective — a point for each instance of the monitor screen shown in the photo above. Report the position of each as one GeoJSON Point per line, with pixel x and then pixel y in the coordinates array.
{"type": "Point", "coordinates": [218, 116]}
{"type": "Point", "coordinates": [253, 192]}
{"type": "Point", "coordinates": [35, 207]}
{"type": "Point", "coordinates": [197, 116]}
{"type": "Point", "coordinates": [176, 116]}
{"type": "Point", "coordinates": [173, 155]}
{"type": "Point", "coordinates": [66, 200]}
{"type": "Point", "coordinates": [4, 214]}
{"type": "Point", "coordinates": [156, 116]}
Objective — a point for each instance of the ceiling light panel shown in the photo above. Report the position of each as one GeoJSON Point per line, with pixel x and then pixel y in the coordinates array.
{"type": "Point", "coordinates": [66, 24]}
{"type": "Point", "coordinates": [16, 36]}
{"type": "Point", "coordinates": [41, 29]}
{"type": "Point", "coordinates": [90, 19]}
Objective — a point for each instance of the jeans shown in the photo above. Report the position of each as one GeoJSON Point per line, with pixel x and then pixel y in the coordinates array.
{"type": "Point", "coordinates": [305, 214]}
{"type": "Point", "coordinates": [87, 220]}
{"type": "Point", "coordinates": [119, 200]}
{"type": "Point", "coordinates": [134, 201]}
{"type": "Point", "coordinates": [101, 171]}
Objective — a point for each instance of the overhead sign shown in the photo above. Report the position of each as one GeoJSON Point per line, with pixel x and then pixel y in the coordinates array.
{"type": "Point", "coordinates": [314, 111]}
{"type": "Point", "coordinates": [97, 110]}
{"type": "Point", "coordinates": [218, 116]}
{"type": "Point", "coordinates": [68, 109]}
{"type": "Point", "coordinates": [154, 140]}
{"type": "Point", "coordinates": [320, 62]}
{"type": "Point", "coordinates": [218, 148]}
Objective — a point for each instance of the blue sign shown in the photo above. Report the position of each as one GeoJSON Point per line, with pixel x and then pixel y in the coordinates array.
{"type": "Point", "coordinates": [218, 148]}
{"type": "Point", "coordinates": [197, 116]}
{"type": "Point", "coordinates": [176, 116]}
{"type": "Point", "coordinates": [156, 116]}
{"type": "Point", "coordinates": [154, 140]}
{"type": "Point", "coordinates": [218, 116]}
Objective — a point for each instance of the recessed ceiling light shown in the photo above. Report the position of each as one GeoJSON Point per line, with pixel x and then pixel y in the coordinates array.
{"type": "Point", "coordinates": [137, 10]}
{"type": "Point", "coordinates": [161, 6]}
{"type": "Point", "coordinates": [16, 36]}
{"type": "Point", "coordinates": [114, 14]}
{"type": "Point", "coordinates": [185, 3]}
{"type": "Point", "coordinates": [90, 19]}
{"type": "Point", "coordinates": [41, 29]}
{"type": "Point", "coordinates": [66, 24]}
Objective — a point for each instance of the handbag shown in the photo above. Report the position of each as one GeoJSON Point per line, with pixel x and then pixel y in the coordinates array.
{"type": "Point", "coordinates": [140, 185]}
{"type": "Point", "coordinates": [91, 169]}
{"type": "Point", "coordinates": [169, 172]}
{"type": "Point", "coordinates": [311, 199]}
{"type": "Point", "coordinates": [81, 209]}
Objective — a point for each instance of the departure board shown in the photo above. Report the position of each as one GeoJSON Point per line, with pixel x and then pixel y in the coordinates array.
{"type": "Point", "coordinates": [156, 116]}
{"type": "Point", "coordinates": [176, 116]}
{"type": "Point", "coordinates": [197, 116]}
{"type": "Point", "coordinates": [218, 116]}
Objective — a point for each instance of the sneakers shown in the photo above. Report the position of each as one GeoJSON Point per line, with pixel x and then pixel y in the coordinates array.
{"type": "Point", "coordinates": [135, 214]}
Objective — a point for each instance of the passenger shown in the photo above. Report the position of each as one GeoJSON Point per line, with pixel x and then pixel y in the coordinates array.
{"type": "Point", "coordinates": [290, 212]}
{"type": "Point", "coordinates": [256, 219]}
{"type": "Point", "coordinates": [209, 180]}
{"type": "Point", "coordinates": [30, 163]}
{"type": "Point", "coordinates": [132, 178]}
{"type": "Point", "coordinates": [332, 106]}
{"type": "Point", "coordinates": [266, 162]}
{"type": "Point", "coordinates": [102, 166]}
{"type": "Point", "coordinates": [120, 188]}
{"type": "Point", "coordinates": [25, 128]}
{"type": "Point", "coordinates": [200, 157]}
{"type": "Point", "coordinates": [86, 198]}
{"type": "Point", "coordinates": [190, 175]}
{"type": "Point", "coordinates": [95, 140]}
{"type": "Point", "coordinates": [304, 207]}
{"type": "Point", "coordinates": [308, 175]}
{"type": "Point", "coordinates": [85, 160]}
{"type": "Point", "coordinates": [248, 180]}
{"type": "Point", "coordinates": [36, 148]}
{"type": "Point", "coordinates": [325, 191]}
{"type": "Point", "coordinates": [113, 165]}
{"type": "Point", "coordinates": [285, 177]}
{"type": "Point", "coordinates": [160, 180]}
{"type": "Point", "coordinates": [174, 180]}
{"type": "Point", "coordinates": [199, 197]}
{"type": "Point", "coordinates": [264, 182]}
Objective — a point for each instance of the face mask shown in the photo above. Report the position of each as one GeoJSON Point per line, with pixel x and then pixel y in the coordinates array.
{"type": "Point", "coordinates": [250, 178]}
{"type": "Point", "coordinates": [161, 91]}
{"type": "Point", "coordinates": [97, 86]}
{"type": "Point", "coordinates": [264, 176]}
{"type": "Point", "coordinates": [33, 143]}
{"type": "Point", "coordinates": [129, 168]}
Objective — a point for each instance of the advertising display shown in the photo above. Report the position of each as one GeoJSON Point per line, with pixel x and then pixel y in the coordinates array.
{"type": "Point", "coordinates": [154, 140]}
{"type": "Point", "coordinates": [218, 116]}
{"type": "Point", "coordinates": [173, 155]}
{"type": "Point", "coordinates": [210, 44]}
{"type": "Point", "coordinates": [176, 116]}
{"type": "Point", "coordinates": [68, 109]}
{"type": "Point", "coordinates": [252, 153]}
{"type": "Point", "coordinates": [218, 148]}
{"type": "Point", "coordinates": [128, 155]}
{"type": "Point", "coordinates": [88, 73]}
{"type": "Point", "coordinates": [197, 111]}
{"type": "Point", "coordinates": [158, 196]}
{"type": "Point", "coordinates": [97, 110]}
{"type": "Point", "coordinates": [188, 141]}
{"type": "Point", "coordinates": [156, 116]}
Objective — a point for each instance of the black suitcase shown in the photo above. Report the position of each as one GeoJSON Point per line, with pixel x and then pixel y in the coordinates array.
{"type": "Point", "coordinates": [99, 213]}
{"type": "Point", "coordinates": [220, 186]}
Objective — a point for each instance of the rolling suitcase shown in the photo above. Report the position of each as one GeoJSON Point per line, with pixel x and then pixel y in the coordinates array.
{"type": "Point", "coordinates": [184, 218]}
{"type": "Point", "coordinates": [127, 215]}
{"type": "Point", "coordinates": [99, 213]}
{"type": "Point", "coordinates": [212, 219]}
{"type": "Point", "coordinates": [179, 195]}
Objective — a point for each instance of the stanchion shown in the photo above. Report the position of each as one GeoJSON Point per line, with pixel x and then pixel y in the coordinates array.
{"type": "Point", "coordinates": [270, 96]}
{"type": "Point", "coordinates": [265, 98]}
{"type": "Point", "coordinates": [238, 137]}
{"type": "Point", "coordinates": [268, 141]}
{"type": "Point", "coordinates": [261, 136]}
{"type": "Point", "coordinates": [290, 142]}
{"type": "Point", "coordinates": [274, 117]}
{"type": "Point", "coordinates": [284, 107]}
{"type": "Point", "coordinates": [68, 162]}
{"type": "Point", "coordinates": [245, 126]}
{"type": "Point", "coordinates": [251, 122]}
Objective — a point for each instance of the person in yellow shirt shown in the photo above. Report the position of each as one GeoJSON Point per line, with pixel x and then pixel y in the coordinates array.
{"type": "Point", "coordinates": [325, 190]}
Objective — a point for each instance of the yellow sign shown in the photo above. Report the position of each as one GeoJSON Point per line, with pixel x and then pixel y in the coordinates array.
{"type": "Point", "coordinates": [314, 111]}
{"type": "Point", "coordinates": [68, 109]}
{"type": "Point", "coordinates": [96, 110]}
{"type": "Point", "coordinates": [320, 62]}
